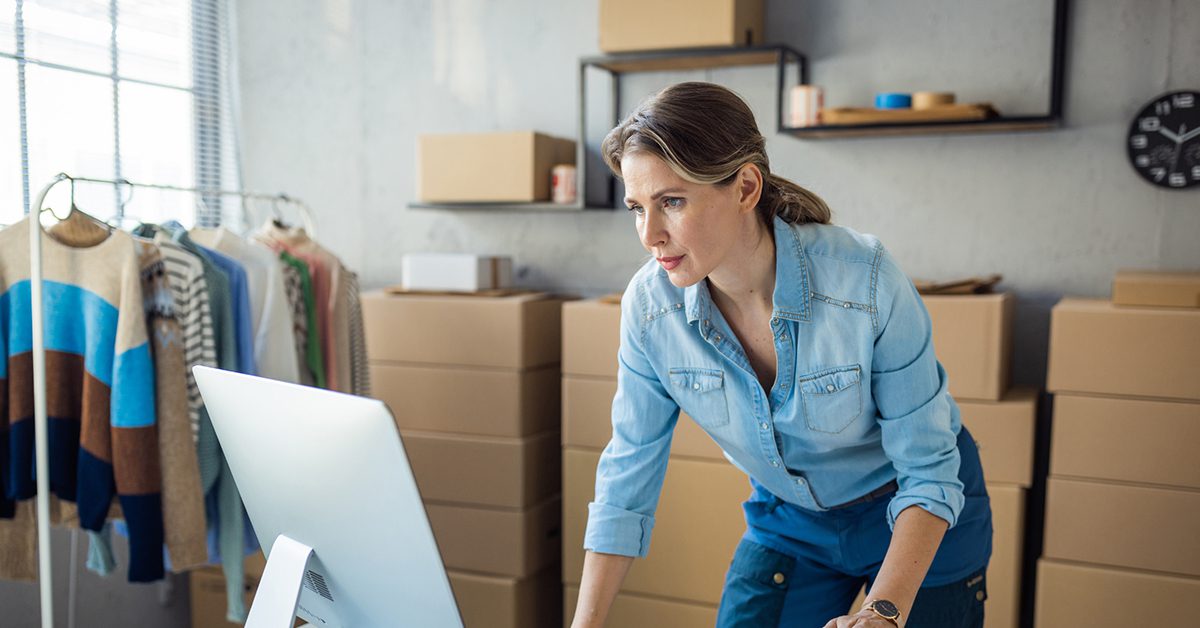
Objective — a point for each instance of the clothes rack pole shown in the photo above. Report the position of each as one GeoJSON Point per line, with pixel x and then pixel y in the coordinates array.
{"type": "Point", "coordinates": [40, 425]}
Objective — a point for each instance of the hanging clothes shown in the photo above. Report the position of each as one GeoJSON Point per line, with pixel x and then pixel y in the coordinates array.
{"type": "Point", "coordinates": [100, 377]}
{"type": "Point", "coordinates": [361, 372]}
{"type": "Point", "coordinates": [304, 319]}
{"type": "Point", "coordinates": [271, 321]}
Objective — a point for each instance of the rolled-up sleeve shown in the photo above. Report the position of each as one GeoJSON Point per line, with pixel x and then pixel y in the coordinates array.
{"type": "Point", "coordinates": [916, 413]}
{"type": "Point", "coordinates": [630, 474]}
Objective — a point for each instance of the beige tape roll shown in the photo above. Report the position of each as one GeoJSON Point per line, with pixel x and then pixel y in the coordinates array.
{"type": "Point", "coordinates": [929, 100]}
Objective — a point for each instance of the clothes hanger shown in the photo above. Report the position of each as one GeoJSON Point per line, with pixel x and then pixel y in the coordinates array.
{"type": "Point", "coordinates": [80, 229]}
{"type": "Point", "coordinates": [121, 218]}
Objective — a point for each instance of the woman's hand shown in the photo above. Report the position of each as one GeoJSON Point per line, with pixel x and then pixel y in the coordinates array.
{"type": "Point", "coordinates": [861, 619]}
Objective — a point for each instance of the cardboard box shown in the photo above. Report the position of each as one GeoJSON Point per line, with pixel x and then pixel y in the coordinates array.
{"type": "Point", "coordinates": [486, 470]}
{"type": "Point", "coordinates": [484, 402]}
{"type": "Point", "coordinates": [503, 542]}
{"type": "Point", "coordinates": [497, 602]}
{"type": "Point", "coordinates": [462, 272]}
{"type": "Point", "coordinates": [1003, 608]}
{"type": "Point", "coordinates": [631, 609]}
{"type": "Point", "coordinates": [627, 25]}
{"type": "Point", "coordinates": [1141, 527]}
{"type": "Point", "coordinates": [513, 332]}
{"type": "Point", "coordinates": [1098, 597]}
{"type": "Point", "coordinates": [1130, 440]}
{"type": "Point", "coordinates": [1004, 432]}
{"type": "Point", "coordinates": [511, 167]}
{"type": "Point", "coordinates": [207, 587]}
{"type": "Point", "coordinates": [697, 527]}
{"type": "Point", "coordinates": [587, 420]}
{"type": "Point", "coordinates": [591, 337]}
{"type": "Point", "coordinates": [972, 339]}
{"type": "Point", "coordinates": [1156, 288]}
{"type": "Point", "coordinates": [1097, 347]}
{"type": "Point", "coordinates": [1008, 544]}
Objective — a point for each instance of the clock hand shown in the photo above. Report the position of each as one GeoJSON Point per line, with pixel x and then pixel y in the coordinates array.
{"type": "Point", "coordinates": [1189, 135]}
{"type": "Point", "coordinates": [1170, 135]}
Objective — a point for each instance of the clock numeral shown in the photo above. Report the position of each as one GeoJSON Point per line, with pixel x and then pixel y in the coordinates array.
{"type": "Point", "coordinates": [1163, 108]}
{"type": "Point", "coordinates": [1139, 141]}
{"type": "Point", "coordinates": [1142, 161]}
{"type": "Point", "coordinates": [1196, 173]}
{"type": "Point", "coordinates": [1184, 101]}
{"type": "Point", "coordinates": [1158, 173]}
{"type": "Point", "coordinates": [1177, 179]}
{"type": "Point", "coordinates": [1149, 124]}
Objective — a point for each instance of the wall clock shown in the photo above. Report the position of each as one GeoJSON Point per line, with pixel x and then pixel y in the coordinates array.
{"type": "Point", "coordinates": [1164, 140]}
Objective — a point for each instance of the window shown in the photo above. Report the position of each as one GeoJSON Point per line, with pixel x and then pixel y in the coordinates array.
{"type": "Point", "coordinates": [117, 89]}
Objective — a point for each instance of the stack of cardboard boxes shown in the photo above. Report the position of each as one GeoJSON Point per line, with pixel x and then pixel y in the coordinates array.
{"type": "Point", "coordinates": [474, 384]}
{"type": "Point", "coordinates": [1122, 542]}
{"type": "Point", "coordinates": [972, 337]}
{"type": "Point", "coordinates": [699, 519]}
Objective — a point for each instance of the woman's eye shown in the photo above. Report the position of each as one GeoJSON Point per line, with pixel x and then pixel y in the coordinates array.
{"type": "Point", "coordinates": [637, 209]}
{"type": "Point", "coordinates": [673, 203]}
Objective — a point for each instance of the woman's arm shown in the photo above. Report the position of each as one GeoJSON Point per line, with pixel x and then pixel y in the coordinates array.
{"type": "Point", "coordinates": [602, 577]}
{"type": "Point", "coordinates": [915, 541]}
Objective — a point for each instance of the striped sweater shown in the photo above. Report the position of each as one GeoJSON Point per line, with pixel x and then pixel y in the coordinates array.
{"type": "Point", "coordinates": [100, 381]}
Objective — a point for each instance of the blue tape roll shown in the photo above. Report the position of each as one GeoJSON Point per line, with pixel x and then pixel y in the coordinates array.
{"type": "Point", "coordinates": [893, 101]}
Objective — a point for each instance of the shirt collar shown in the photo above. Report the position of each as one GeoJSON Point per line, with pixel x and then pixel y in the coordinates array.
{"type": "Point", "coordinates": [791, 296]}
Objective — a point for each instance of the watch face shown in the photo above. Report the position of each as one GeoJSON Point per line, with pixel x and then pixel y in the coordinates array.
{"type": "Point", "coordinates": [1164, 140]}
{"type": "Point", "coordinates": [886, 608]}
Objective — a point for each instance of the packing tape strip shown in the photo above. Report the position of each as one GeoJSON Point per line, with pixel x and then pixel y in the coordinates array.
{"type": "Point", "coordinates": [887, 100]}
{"type": "Point", "coordinates": [929, 100]}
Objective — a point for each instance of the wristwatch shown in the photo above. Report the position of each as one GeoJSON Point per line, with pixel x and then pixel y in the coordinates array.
{"type": "Point", "coordinates": [884, 609]}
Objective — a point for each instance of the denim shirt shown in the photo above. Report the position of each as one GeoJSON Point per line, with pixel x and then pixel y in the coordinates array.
{"type": "Point", "coordinates": [859, 398]}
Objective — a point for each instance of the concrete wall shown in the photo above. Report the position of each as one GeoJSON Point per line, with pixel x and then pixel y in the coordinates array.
{"type": "Point", "coordinates": [335, 93]}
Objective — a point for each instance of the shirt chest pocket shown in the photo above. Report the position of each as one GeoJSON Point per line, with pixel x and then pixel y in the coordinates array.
{"type": "Point", "coordinates": [701, 393]}
{"type": "Point", "coordinates": [832, 398]}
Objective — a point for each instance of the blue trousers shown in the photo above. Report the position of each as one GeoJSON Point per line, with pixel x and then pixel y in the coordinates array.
{"type": "Point", "coordinates": [801, 568]}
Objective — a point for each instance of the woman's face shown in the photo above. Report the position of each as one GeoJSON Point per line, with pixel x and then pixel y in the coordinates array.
{"type": "Point", "coordinates": [689, 228]}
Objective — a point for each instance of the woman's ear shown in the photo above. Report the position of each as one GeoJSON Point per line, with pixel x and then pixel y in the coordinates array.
{"type": "Point", "coordinates": [749, 186]}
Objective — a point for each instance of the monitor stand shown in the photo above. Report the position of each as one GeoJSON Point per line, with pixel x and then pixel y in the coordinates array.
{"type": "Point", "coordinates": [279, 590]}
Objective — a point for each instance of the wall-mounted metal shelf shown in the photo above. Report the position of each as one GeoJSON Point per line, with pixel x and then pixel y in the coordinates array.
{"type": "Point", "coordinates": [545, 207]}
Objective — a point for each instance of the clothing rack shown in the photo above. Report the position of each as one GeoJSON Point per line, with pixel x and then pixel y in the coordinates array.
{"type": "Point", "coordinates": [39, 350]}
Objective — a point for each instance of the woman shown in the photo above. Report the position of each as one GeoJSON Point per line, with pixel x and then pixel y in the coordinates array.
{"type": "Point", "coordinates": [806, 354]}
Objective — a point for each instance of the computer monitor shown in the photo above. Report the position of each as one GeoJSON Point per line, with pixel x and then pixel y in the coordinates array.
{"type": "Point", "coordinates": [328, 471]}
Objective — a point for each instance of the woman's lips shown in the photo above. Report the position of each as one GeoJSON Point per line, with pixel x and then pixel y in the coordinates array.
{"type": "Point", "coordinates": [670, 263]}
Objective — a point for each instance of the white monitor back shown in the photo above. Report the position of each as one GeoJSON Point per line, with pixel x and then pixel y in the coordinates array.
{"type": "Point", "coordinates": [329, 470]}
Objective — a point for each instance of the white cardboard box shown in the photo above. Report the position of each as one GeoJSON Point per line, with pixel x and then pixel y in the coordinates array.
{"type": "Point", "coordinates": [457, 272]}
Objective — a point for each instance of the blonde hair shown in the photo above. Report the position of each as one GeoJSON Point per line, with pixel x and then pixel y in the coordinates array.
{"type": "Point", "coordinates": [706, 133]}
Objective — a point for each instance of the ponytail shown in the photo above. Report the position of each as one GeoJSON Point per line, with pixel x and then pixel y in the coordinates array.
{"type": "Point", "coordinates": [791, 203]}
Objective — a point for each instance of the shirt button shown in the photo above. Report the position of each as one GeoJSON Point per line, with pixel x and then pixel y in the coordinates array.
{"type": "Point", "coordinates": [774, 463]}
{"type": "Point", "coordinates": [830, 388]}
{"type": "Point", "coordinates": [696, 386]}
{"type": "Point", "coordinates": [784, 336]}
{"type": "Point", "coordinates": [764, 425]}
{"type": "Point", "coordinates": [774, 321]}
{"type": "Point", "coordinates": [846, 305]}
{"type": "Point", "coordinates": [800, 481]}
{"type": "Point", "coordinates": [779, 578]}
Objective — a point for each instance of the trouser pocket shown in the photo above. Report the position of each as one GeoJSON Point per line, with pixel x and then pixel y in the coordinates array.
{"type": "Point", "coordinates": [956, 605]}
{"type": "Point", "coordinates": [755, 587]}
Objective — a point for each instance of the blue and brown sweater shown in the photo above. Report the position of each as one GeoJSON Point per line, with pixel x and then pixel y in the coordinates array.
{"type": "Point", "coordinates": [103, 439]}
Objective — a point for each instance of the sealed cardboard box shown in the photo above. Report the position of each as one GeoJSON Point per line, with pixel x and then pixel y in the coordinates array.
{"type": "Point", "coordinates": [498, 602]}
{"type": "Point", "coordinates": [627, 25]}
{"type": "Point", "coordinates": [631, 609]}
{"type": "Point", "coordinates": [591, 337]}
{"type": "Point", "coordinates": [1140, 527]}
{"type": "Point", "coordinates": [489, 167]}
{"type": "Point", "coordinates": [1004, 569]}
{"type": "Point", "coordinates": [1156, 288]}
{"type": "Point", "coordinates": [486, 402]}
{"type": "Point", "coordinates": [972, 339]}
{"type": "Point", "coordinates": [1129, 440]}
{"type": "Point", "coordinates": [515, 332]}
{"type": "Point", "coordinates": [485, 470]}
{"type": "Point", "coordinates": [697, 526]}
{"type": "Point", "coordinates": [1101, 597]}
{"type": "Point", "coordinates": [587, 420]}
{"type": "Point", "coordinates": [503, 542]}
{"type": "Point", "coordinates": [1004, 431]}
{"type": "Point", "coordinates": [1097, 347]}
{"type": "Point", "coordinates": [456, 272]}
